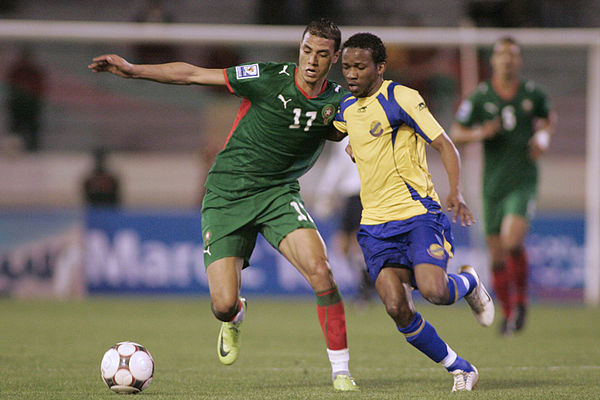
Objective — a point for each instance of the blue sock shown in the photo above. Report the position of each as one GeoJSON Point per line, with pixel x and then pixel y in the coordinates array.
{"type": "Point", "coordinates": [458, 288]}
{"type": "Point", "coordinates": [423, 336]}
{"type": "Point", "coordinates": [460, 363]}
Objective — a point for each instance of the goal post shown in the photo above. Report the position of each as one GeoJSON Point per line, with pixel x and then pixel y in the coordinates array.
{"type": "Point", "coordinates": [592, 181]}
{"type": "Point", "coordinates": [462, 37]}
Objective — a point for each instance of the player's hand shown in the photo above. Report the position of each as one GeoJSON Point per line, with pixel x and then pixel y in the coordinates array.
{"type": "Point", "coordinates": [456, 204]}
{"type": "Point", "coordinates": [490, 128]}
{"type": "Point", "coordinates": [350, 152]}
{"type": "Point", "coordinates": [538, 144]}
{"type": "Point", "coordinates": [112, 63]}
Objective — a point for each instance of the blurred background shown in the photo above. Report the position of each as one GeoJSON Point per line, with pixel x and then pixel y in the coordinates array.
{"type": "Point", "coordinates": [101, 178]}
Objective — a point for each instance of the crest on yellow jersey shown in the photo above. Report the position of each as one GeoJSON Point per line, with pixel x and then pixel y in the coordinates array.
{"type": "Point", "coordinates": [376, 128]}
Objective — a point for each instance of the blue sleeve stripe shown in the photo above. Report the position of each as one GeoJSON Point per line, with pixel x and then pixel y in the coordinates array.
{"type": "Point", "coordinates": [392, 110]}
{"type": "Point", "coordinates": [396, 114]}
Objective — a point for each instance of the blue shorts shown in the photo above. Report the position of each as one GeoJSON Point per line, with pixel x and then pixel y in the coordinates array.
{"type": "Point", "coordinates": [424, 239]}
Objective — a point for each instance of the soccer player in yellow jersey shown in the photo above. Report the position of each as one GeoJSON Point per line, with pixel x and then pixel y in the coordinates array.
{"type": "Point", "coordinates": [405, 236]}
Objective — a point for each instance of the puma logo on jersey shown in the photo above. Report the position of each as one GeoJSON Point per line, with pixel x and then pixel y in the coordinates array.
{"type": "Point", "coordinates": [284, 70]}
{"type": "Point", "coordinates": [284, 101]}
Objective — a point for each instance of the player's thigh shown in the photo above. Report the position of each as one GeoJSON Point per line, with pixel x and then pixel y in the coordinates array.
{"type": "Point", "coordinates": [228, 227]}
{"type": "Point", "coordinates": [519, 208]}
{"type": "Point", "coordinates": [428, 244]}
{"type": "Point", "coordinates": [284, 214]}
{"type": "Point", "coordinates": [305, 249]}
{"type": "Point", "coordinates": [432, 281]}
{"type": "Point", "coordinates": [238, 244]}
{"type": "Point", "coordinates": [381, 253]}
{"type": "Point", "coordinates": [224, 281]}
{"type": "Point", "coordinates": [521, 201]}
{"type": "Point", "coordinates": [493, 212]}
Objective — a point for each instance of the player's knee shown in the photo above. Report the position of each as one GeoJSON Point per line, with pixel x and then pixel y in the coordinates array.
{"type": "Point", "coordinates": [225, 310]}
{"type": "Point", "coordinates": [400, 313]}
{"type": "Point", "coordinates": [498, 265]}
{"type": "Point", "coordinates": [515, 249]}
{"type": "Point", "coordinates": [319, 273]}
{"type": "Point", "coordinates": [437, 296]}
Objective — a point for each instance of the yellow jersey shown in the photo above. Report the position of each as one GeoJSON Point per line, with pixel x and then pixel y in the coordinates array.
{"type": "Point", "coordinates": [388, 132]}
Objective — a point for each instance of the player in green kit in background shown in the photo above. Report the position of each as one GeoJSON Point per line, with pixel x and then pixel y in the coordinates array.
{"type": "Point", "coordinates": [513, 119]}
{"type": "Point", "coordinates": [281, 127]}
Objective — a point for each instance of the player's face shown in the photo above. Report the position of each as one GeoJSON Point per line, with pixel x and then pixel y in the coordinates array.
{"type": "Point", "coordinates": [506, 59]}
{"type": "Point", "coordinates": [363, 76]}
{"type": "Point", "coordinates": [317, 55]}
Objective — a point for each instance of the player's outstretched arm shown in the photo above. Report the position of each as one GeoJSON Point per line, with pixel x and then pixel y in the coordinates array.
{"type": "Point", "coordinates": [174, 73]}
{"type": "Point", "coordinates": [451, 160]}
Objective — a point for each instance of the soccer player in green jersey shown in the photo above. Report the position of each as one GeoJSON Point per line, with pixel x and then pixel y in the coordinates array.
{"type": "Point", "coordinates": [513, 119]}
{"type": "Point", "coordinates": [283, 122]}
{"type": "Point", "coordinates": [405, 237]}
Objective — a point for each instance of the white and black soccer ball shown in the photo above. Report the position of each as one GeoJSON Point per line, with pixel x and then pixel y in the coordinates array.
{"type": "Point", "coordinates": [127, 367]}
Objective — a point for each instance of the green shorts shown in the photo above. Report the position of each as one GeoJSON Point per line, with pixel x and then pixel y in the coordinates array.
{"type": "Point", "coordinates": [520, 201]}
{"type": "Point", "coordinates": [230, 227]}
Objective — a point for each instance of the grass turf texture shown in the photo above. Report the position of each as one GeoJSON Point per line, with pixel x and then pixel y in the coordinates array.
{"type": "Point", "coordinates": [52, 350]}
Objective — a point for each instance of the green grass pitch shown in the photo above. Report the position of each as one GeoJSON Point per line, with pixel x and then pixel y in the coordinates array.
{"type": "Point", "coordinates": [52, 350]}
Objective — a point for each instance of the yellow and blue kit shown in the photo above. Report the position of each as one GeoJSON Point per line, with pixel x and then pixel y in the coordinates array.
{"type": "Point", "coordinates": [402, 223]}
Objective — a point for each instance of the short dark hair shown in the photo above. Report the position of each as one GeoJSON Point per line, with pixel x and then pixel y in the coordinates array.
{"type": "Point", "coordinates": [368, 41]}
{"type": "Point", "coordinates": [507, 40]}
{"type": "Point", "coordinates": [325, 28]}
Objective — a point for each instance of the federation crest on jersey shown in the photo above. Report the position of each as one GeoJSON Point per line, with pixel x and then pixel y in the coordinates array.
{"type": "Point", "coordinates": [247, 71]}
{"type": "Point", "coordinates": [376, 128]}
{"type": "Point", "coordinates": [328, 112]}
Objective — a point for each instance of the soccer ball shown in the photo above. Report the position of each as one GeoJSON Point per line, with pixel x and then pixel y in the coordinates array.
{"type": "Point", "coordinates": [127, 367]}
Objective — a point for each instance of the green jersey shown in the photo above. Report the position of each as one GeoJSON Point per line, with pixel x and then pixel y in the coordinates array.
{"type": "Point", "coordinates": [279, 131]}
{"type": "Point", "coordinates": [507, 164]}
